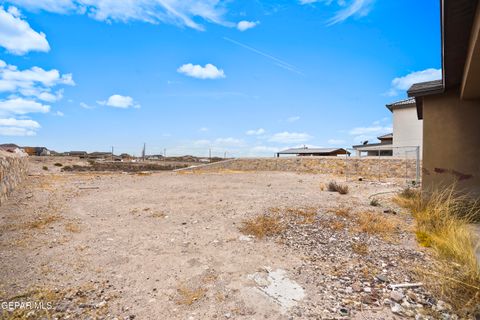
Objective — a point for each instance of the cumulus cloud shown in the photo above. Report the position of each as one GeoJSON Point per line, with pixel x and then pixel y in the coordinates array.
{"type": "Point", "coordinates": [256, 132]}
{"type": "Point", "coordinates": [119, 101]}
{"type": "Point", "coordinates": [21, 106]}
{"type": "Point", "coordinates": [347, 8]}
{"type": "Point", "coordinates": [11, 122]}
{"type": "Point", "coordinates": [34, 82]}
{"type": "Point", "coordinates": [402, 84]}
{"type": "Point", "coordinates": [245, 25]}
{"type": "Point", "coordinates": [209, 71]}
{"type": "Point", "coordinates": [178, 12]}
{"type": "Point", "coordinates": [290, 137]}
{"type": "Point", "coordinates": [16, 35]}
{"type": "Point", "coordinates": [16, 132]}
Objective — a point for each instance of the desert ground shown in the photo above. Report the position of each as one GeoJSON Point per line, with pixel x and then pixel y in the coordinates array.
{"type": "Point", "coordinates": [173, 245]}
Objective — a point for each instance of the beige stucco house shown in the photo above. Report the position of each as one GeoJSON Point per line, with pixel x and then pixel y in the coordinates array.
{"type": "Point", "coordinates": [406, 139]}
{"type": "Point", "coordinates": [450, 107]}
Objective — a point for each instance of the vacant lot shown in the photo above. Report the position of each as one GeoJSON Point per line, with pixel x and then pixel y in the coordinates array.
{"type": "Point", "coordinates": [178, 246]}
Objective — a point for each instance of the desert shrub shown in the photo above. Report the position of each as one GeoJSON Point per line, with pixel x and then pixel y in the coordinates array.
{"type": "Point", "coordinates": [45, 168]}
{"type": "Point", "coordinates": [58, 164]}
{"type": "Point", "coordinates": [335, 187]}
{"type": "Point", "coordinates": [374, 202]}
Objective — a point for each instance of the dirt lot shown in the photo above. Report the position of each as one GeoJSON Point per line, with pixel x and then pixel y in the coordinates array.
{"type": "Point", "coordinates": [168, 246]}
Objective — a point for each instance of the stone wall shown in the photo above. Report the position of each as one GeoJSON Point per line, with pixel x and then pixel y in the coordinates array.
{"type": "Point", "coordinates": [13, 169]}
{"type": "Point", "coordinates": [352, 167]}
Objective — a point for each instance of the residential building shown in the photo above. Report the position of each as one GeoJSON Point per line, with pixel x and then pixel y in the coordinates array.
{"type": "Point", "coordinates": [310, 152]}
{"type": "Point", "coordinates": [450, 107]}
{"type": "Point", "coordinates": [406, 139]}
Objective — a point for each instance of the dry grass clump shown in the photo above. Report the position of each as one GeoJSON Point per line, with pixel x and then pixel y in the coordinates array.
{"type": "Point", "coordinates": [307, 214]}
{"type": "Point", "coordinates": [41, 222]}
{"type": "Point", "coordinates": [262, 226]}
{"type": "Point", "coordinates": [188, 296]}
{"type": "Point", "coordinates": [374, 223]}
{"type": "Point", "coordinates": [342, 212]}
{"type": "Point", "coordinates": [444, 222]}
{"type": "Point", "coordinates": [360, 248]}
{"type": "Point", "coordinates": [72, 227]}
{"type": "Point", "coordinates": [335, 187]}
{"type": "Point", "coordinates": [337, 225]}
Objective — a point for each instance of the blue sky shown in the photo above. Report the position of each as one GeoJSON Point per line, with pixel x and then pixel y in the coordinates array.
{"type": "Point", "coordinates": [244, 77]}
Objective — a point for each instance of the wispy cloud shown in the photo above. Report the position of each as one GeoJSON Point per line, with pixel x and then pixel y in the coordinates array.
{"type": "Point", "coordinates": [401, 84]}
{"type": "Point", "coordinates": [293, 119]}
{"type": "Point", "coordinates": [336, 142]}
{"type": "Point", "coordinates": [349, 8]}
{"type": "Point", "coordinates": [278, 62]}
{"type": "Point", "coordinates": [290, 137]}
{"type": "Point", "coordinates": [177, 12]}
{"type": "Point", "coordinates": [256, 132]}
{"type": "Point", "coordinates": [370, 132]}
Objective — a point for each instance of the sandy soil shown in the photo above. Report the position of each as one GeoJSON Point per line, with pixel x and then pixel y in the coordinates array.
{"type": "Point", "coordinates": [163, 245]}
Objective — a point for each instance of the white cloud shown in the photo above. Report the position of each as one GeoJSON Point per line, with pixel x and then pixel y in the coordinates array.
{"type": "Point", "coordinates": [34, 82]}
{"type": "Point", "coordinates": [16, 131]}
{"type": "Point", "coordinates": [229, 142]}
{"type": "Point", "coordinates": [257, 132]}
{"type": "Point", "coordinates": [22, 106]}
{"type": "Point", "coordinates": [59, 114]}
{"type": "Point", "coordinates": [290, 137]}
{"type": "Point", "coordinates": [349, 8]}
{"type": "Point", "coordinates": [245, 25]}
{"type": "Point", "coordinates": [203, 129]}
{"type": "Point", "coordinates": [370, 130]}
{"type": "Point", "coordinates": [293, 119]}
{"type": "Point", "coordinates": [178, 12]}
{"type": "Point", "coordinates": [336, 141]}
{"type": "Point", "coordinates": [264, 149]}
{"type": "Point", "coordinates": [119, 101]}
{"type": "Point", "coordinates": [209, 71]}
{"type": "Point", "coordinates": [86, 106]}
{"type": "Point", "coordinates": [17, 36]}
{"type": "Point", "coordinates": [404, 83]}
{"type": "Point", "coordinates": [11, 122]}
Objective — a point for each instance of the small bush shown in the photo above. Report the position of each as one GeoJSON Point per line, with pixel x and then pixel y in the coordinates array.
{"type": "Point", "coordinates": [341, 212]}
{"type": "Point", "coordinates": [262, 226]}
{"type": "Point", "coordinates": [374, 202]}
{"type": "Point", "coordinates": [45, 168]}
{"type": "Point", "coordinates": [335, 187]}
{"type": "Point", "coordinates": [188, 296]}
{"type": "Point", "coordinates": [58, 164]}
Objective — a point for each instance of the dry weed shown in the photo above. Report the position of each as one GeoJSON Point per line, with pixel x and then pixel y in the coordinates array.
{"type": "Point", "coordinates": [342, 212]}
{"type": "Point", "coordinates": [373, 223]}
{"type": "Point", "coordinates": [443, 221]}
{"type": "Point", "coordinates": [360, 248]}
{"type": "Point", "coordinates": [335, 187]}
{"type": "Point", "coordinates": [188, 296]}
{"type": "Point", "coordinates": [72, 227]}
{"type": "Point", "coordinates": [307, 214]}
{"type": "Point", "coordinates": [262, 226]}
{"type": "Point", "coordinates": [337, 225]}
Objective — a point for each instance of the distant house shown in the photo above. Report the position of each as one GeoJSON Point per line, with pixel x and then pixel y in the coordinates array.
{"type": "Point", "coordinates": [37, 151]}
{"type": "Point", "coordinates": [80, 154]}
{"type": "Point", "coordinates": [311, 152]}
{"type": "Point", "coordinates": [450, 107]}
{"type": "Point", "coordinates": [406, 135]}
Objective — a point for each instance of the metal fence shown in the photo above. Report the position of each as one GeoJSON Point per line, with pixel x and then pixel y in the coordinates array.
{"type": "Point", "coordinates": [377, 165]}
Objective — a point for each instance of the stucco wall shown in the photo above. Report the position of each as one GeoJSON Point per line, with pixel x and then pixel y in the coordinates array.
{"type": "Point", "coordinates": [451, 149]}
{"type": "Point", "coordinates": [13, 169]}
{"type": "Point", "coordinates": [353, 167]}
{"type": "Point", "coordinates": [407, 130]}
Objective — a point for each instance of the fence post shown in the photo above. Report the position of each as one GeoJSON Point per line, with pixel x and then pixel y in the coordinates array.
{"type": "Point", "coordinates": [417, 178]}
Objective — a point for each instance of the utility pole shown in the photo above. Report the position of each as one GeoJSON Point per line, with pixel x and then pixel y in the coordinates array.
{"type": "Point", "coordinates": [210, 154]}
{"type": "Point", "coordinates": [143, 151]}
{"type": "Point", "coordinates": [164, 154]}
{"type": "Point", "coordinates": [112, 153]}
